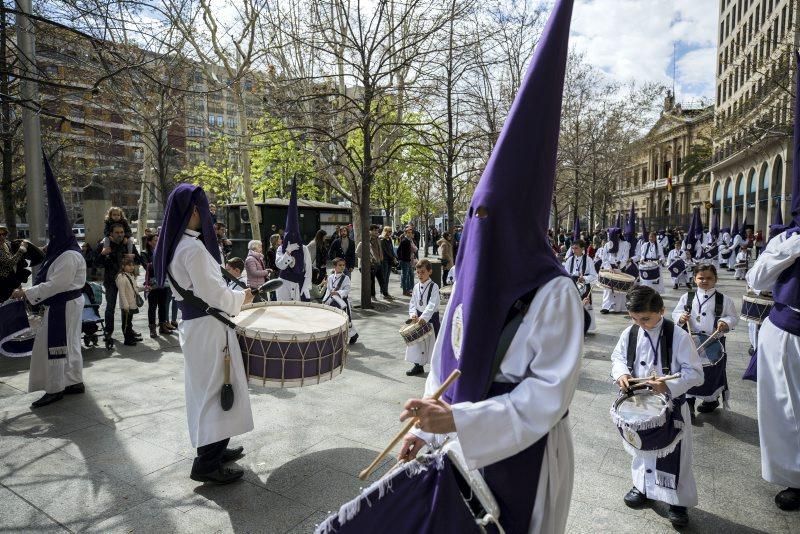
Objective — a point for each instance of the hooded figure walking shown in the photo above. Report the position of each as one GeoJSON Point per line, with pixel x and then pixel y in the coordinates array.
{"type": "Point", "coordinates": [508, 409]}
{"type": "Point", "coordinates": [293, 258]}
{"type": "Point", "coordinates": [56, 360]}
{"type": "Point", "coordinates": [188, 257]}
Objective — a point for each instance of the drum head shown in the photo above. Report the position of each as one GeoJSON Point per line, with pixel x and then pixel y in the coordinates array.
{"type": "Point", "coordinates": [291, 320]}
{"type": "Point", "coordinates": [640, 407]}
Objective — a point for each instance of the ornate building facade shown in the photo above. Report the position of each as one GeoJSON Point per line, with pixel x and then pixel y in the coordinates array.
{"type": "Point", "coordinates": [657, 182]}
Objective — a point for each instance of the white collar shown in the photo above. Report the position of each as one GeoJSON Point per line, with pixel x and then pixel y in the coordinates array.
{"type": "Point", "coordinates": [191, 233]}
{"type": "Point", "coordinates": [656, 330]}
{"type": "Point", "coordinates": [703, 293]}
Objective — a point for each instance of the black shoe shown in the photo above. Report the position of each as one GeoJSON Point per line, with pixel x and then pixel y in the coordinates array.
{"type": "Point", "coordinates": [388, 297]}
{"type": "Point", "coordinates": [604, 311]}
{"type": "Point", "coordinates": [690, 404]}
{"type": "Point", "coordinates": [48, 398]}
{"type": "Point", "coordinates": [416, 370]}
{"type": "Point", "coordinates": [232, 454]}
{"type": "Point", "coordinates": [751, 350]}
{"type": "Point", "coordinates": [708, 407]}
{"type": "Point", "coordinates": [221, 475]}
{"type": "Point", "coordinates": [137, 336]}
{"type": "Point", "coordinates": [353, 339]}
{"type": "Point", "coordinates": [74, 389]}
{"type": "Point", "coordinates": [788, 499]}
{"type": "Point", "coordinates": [130, 342]}
{"type": "Point", "coordinates": [675, 286]}
{"type": "Point", "coordinates": [688, 286]}
{"type": "Point", "coordinates": [635, 498]}
{"type": "Point", "coordinates": [678, 516]}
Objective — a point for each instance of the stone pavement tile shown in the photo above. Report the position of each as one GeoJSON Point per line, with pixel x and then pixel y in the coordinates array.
{"type": "Point", "coordinates": [729, 455]}
{"type": "Point", "coordinates": [169, 433]}
{"type": "Point", "coordinates": [8, 391]}
{"type": "Point", "coordinates": [243, 507]}
{"type": "Point", "coordinates": [152, 517]}
{"type": "Point", "coordinates": [600, 489]}
{"type": "Point", "coordinates": [730, 516]}
{"type": "Point", "coordinates": [735, 425]}
{"type": "Point", "coordinates": [132, 459]}
{"type": "Point", "coordinates": [50, 421]}
{"type": "Point", "coordinates": [309, 524]}
{"type": "Point", "coordinates": [747, 491]}
{"type": "Point", "coordinates": [172, 487]}
{"type": "Point", "coordinates": [327, 490]}
{"type": "Point", "coordinates": [585, 518]}
{"type": "Point", "coordinates": [88, 442]}
{"type": "Point", "coordinates": [72, 493]}
{"type": "Point", "coordinates": [343, 454]}
{"type": "Point", "coordinates": [111, 411]}
{"type": "Point", "coordinates": [19, 450]}
{"type": "Point", "coordinates": [18, 516]}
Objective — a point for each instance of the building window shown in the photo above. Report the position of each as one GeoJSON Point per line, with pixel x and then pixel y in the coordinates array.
{"type": "Point", "coordinates": [220, 120]}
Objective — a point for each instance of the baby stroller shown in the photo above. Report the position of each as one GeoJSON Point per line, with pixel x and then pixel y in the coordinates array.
{"type": "Point", "coordinates": [92, 322]}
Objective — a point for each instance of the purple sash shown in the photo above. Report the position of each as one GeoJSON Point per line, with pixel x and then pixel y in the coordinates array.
{"type": "Point", "coordinates": [57, 323]}
{"type": "Point", "coordinates": [785, 318]}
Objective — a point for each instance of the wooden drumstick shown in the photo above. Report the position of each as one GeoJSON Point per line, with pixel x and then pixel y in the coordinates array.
{"type": "Point", "coordinates": [656, 378]}
{"type": "Point", "coordinates": [407, 428]}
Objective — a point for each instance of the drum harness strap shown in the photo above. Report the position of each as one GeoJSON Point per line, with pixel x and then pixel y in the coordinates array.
{"type": "Point", "coordinates": [583, 267]}
{"type": "Point", "coordinates": [666, 348]}
{"type": "Point", "coordinates": [196, 302]}
{"type": "Point", "coordinates": [719, 303]}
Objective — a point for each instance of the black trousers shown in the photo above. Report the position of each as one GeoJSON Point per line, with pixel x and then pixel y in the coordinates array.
{"type": "Point", "coordinates": [157, 301]}
{"type": "Point", "coordinates": [209, 457]}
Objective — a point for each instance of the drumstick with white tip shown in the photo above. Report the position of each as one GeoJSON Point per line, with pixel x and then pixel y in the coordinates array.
{"type": "Point", "coordinates": [711, 338]}
{"type": "Point", "coordinates": [407, 428]}
{"type": "Point", "coordinates": [657, 378]}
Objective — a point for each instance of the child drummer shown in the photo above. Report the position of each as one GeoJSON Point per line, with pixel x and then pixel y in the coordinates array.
{"type": "Point", "coordinates": [707, 311]}
{"type": "Point", "coordinates": [423, 308]}
{"type": "Point", "coordinates": [678, 253]}
{"type": "Point", "coordinates": [337, 294]}
{"type": "Point", "coordinates": [581, 268]}
{"type": "Point", "coordinates": [743, 259]}
{"type": "Point", "coordinates": [653, 345]}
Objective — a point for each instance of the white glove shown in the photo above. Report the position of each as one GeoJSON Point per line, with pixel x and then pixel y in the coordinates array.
{"type": "Point", "coordinates": [291, 262]}
{"type": "Point", "coordinates": [291, 248]}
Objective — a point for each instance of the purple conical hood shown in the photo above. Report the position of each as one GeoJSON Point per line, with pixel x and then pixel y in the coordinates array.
{"type": "Point", "coordinates": [618, 224]}
{"type": "Point", "coordinates": [576, 228]}
{"type": "Point", "coordinates": [645, 233]}
{"type": "Point", "coordinates": [777, 225]}
{"type": "Point", "coordinates": [180, 205]}
{"type": "Point", "coordinates": [613, 238]}
{"type": "Point", "coordinates": [743, 231]}
{"type": "Point", "coordinates": [691, 234]}
{"type": "Point", "coordinates": [297, 273]}
{"type": "Point", "coordinates": [715, 225]}
{"type": "Point", "coordinates": [698, 224]}
{"type": "Point", "coordinates": [509, 209]}
{"type": "Point", "coordinates": [59, 229]}
{"type": "Point", "coordinates": [630, 228]}
{"type": "Point", "coordinates": [796, 166]}
{"type": "Point", "coordinates": [735, 229]}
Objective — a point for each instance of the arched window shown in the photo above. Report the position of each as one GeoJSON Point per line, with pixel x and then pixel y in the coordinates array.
{"type": "Point", "coordinates": [752, 183]}
{"type": "Point", "coordinates": [777, 178]}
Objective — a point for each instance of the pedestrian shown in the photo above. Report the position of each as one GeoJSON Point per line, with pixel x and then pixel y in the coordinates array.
{"type": "Point", "coordinates": [112, 266]}
{"type": "Point", "coordinates": [129, 301]}
{"type": "Point", "coordinates": [56, 359]}
{"type": "Point", "coordinates": [704, 318]}
{"type": "Point", "coordinates": [212, 209]}
{"type": "Point", "coordinates": [375, 257]}
{"type": "Point", "coordinates": [423, 308]}
{"type": "Point", "coordinates": [225, 244]}
{"type": "Point", "coordinates": [318, 251]}
{"type": "Point", "coordinates": [445, 255]}
{"type": "Point", "coordinates": [343, 247]}
{"type": "Point", "coordinates": [156, 296]}
{"type": "Point", "coordinates": [115, 216]}
{"type": "Point", "coordinates": [9, 281]}
{"type": "Point", "coordinates": [210, 347]}
{"type": "Point", "coordinates": [653, 345]}
{"type": "Point", "coordinates": [406, 253]}
{"type": "Point", "coordinates": [255, 266]}
{"type": "Point", "coordinates": [389, 261]}
{"type": "Point", "coordinates": [337, 295]}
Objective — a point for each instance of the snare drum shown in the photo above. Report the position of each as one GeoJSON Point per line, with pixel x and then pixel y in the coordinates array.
{"type": "Point", "coordinates": [649, 270]}
{"type": "Point", "coordinates": [740, 265]}
{"type": "Point", "coordinates": [715, 377]}
{"type": "Point", "coordinates": [711, 253]}
{"type": "Point", "coordinates": [755, 307]}
{"type": "Point", "coordinates": [292, 343]}
{"type": "Point", "coordinates": [616, 281]}
{"type": "Point", "coordinates": [444, 293]}
{"type": "Point", "coordinates": [677, 267]}
{"type": "Point", "coordinates": [583, 289]}
{"type": "Point", "coordinates": [434, 493]}
{"type": "Point", "coordinates": [414, 333]}
{"type": "Point", "coordinates": [17, 329]}
{"type": "Point", "coordinates": [647, 421]}
{"type": "Point", "coordinates": [726, 252]}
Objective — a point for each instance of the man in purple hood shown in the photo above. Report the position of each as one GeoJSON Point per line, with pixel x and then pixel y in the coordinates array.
{"type": "Point", "coordinates": [519, 368]}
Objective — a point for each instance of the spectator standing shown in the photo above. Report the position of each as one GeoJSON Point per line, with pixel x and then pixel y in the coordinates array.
{"type": "Point", "coordinates": [416, 235]}
{"type": "Point", "coordinates": [114, 216]}
{"type": "Point", "coordinates": [128, 301]}
{"type": "Point", "coordinates": [456, 241]}
{"type": "Point", "coordinates": [8, 265]}
{"type": "Point", "coordinates": [389, 260]}
{"type": "Point", "coordinates": [156, 296]}
{"type": "Point", "coordinates": [445, 255]}
{"type": "Point", "coordinates": [213, 209]}
{"type": "Point", "coordinates": [319, 256]}
{"type": "Point", "coordinates": [435, 237]}
{"type": "Point", "coordinates": [225, 245]}
{"type": "Point", "coordinates": [343, 247]}
{"type": "Point", "coordinates": [256, 267]}
{"type": "Point", "coordinates": [406, 253]}
{"type": "Point", "coordinates": [112, 265]}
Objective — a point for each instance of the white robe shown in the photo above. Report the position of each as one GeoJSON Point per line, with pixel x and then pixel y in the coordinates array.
{"type": "Point", "coordinates": [292, 290]}
{"type": "Point", "coordinates": [544, 359]}
{"type": "Point", "coordinates": [615, 300]}
{"type": "Point", "coordinates": [663, 241]}
{"type": "Point", "coordinates": [589, 277]}
{"type": "Point", "coordinates": [203, 340]}
{"type": "Point", "coordinates": [685, 361]}
{"type": "Point", "coordinates": [737, 241]}
{"type": "Point", "coordinates": [66, 273]}
{"type": "Point", "coordinates": [341, 300]}
{"type": "Point", "coordinates": [420, 352]}
{"type": "Point", "coordinates": [741, 272]}
{"type": "Point", "coordinates": [683, 278]}
{"type": "Point", "coordinates": [778, 383]}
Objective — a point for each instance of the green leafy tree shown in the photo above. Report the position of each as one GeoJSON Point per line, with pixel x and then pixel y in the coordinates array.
{"type": "Point", "coordinates": [276, 157]}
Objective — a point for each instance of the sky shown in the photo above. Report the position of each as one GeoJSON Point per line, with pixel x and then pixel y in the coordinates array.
{"type": "Point", "coordinates": [633, 40]}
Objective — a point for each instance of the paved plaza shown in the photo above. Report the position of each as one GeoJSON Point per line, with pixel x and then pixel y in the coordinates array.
{"type": "Point", "coordinates": [117, 458]}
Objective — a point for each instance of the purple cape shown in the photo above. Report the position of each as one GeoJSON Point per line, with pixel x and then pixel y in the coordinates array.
{"type": "Point", "coordinates": [177, 213]}
{"type": "Point", "coordinates": [509, 211]}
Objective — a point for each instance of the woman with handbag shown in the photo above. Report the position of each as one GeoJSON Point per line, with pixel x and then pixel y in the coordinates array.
{"type": "Point", "coordinates": [129, 300]}
{"type": "Point", "coordinates": [445, 255]}
{"type": "Point", "coordinates": [389, 260]}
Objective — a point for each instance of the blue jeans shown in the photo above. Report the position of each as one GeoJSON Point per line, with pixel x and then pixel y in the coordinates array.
{"type": "Point", "coordinates": [406, 276]}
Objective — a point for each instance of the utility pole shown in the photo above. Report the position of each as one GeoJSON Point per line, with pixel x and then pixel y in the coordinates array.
{"type": "Point", "coordinates": [31, 129]}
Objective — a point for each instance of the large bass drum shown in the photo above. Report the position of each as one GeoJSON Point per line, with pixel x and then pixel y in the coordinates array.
{"type": "Point", "coordinates": [292, 343]}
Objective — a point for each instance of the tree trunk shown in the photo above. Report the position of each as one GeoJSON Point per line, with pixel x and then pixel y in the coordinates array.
{"type": "Point", "coordinates": [244, 155]}
{"type": "Point", "coordinates": [7, 184]}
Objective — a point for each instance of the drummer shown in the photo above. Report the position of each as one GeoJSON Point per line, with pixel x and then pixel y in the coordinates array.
{"type": "Point", "coordinates": [337, 294]}
{"type": "Point", "coordinates": [705, 315]}
{"type": "Point", "coordinates": [668, 479]}
{"type": "Point", "coordinates": [675, 254]}
{"type": "Point", "coordinates": [423, 308]}
{"type": "Point", "coordinates": [742, 262]}
{"type": "Point", "coordinates": [616, 255]}
{"type": "Point", "coordinates": [651, 251]}
{"type": "Point", "coordinates": [581, 268]}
